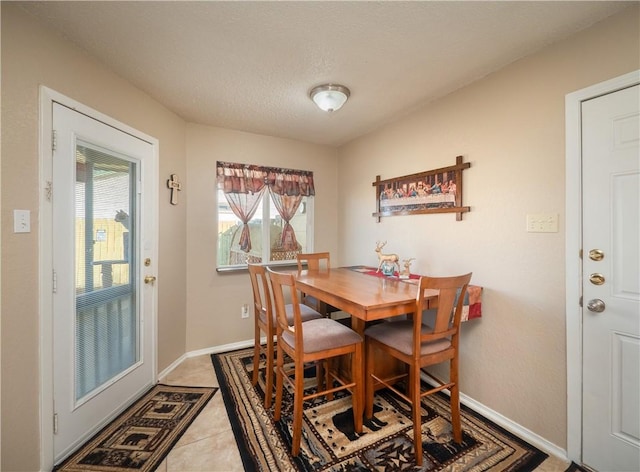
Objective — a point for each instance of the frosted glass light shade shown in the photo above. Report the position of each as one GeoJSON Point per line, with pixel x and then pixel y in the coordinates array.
{"type": "Point", "coordinates": [329, 97]}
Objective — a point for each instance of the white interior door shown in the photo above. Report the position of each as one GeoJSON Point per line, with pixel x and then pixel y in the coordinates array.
{"type": "Point", "coordinates": [611, 281]}
{"type": "Point", "coordinates": [103, 233]}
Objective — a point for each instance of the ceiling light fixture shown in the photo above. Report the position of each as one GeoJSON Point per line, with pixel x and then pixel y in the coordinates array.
{"type": "Point", "coordinates": [329, 97]}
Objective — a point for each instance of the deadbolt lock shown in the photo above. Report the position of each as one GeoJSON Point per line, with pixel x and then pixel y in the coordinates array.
{"type": "Point", "coordinates": [147, 262]}
{"type": "Point", "coordinates": [596, 255]}
{"type": "Point", "coordinates": [596, 279]}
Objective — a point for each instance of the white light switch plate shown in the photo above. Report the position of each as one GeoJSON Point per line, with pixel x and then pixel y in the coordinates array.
{"type": "Point", "coordinates": [542, 223]}
{"type": "Point", "coordinates": [21, 221]}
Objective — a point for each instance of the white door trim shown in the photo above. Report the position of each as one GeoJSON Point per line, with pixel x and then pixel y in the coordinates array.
{"type": "Point", "coordinates": [45, 263]}
{"type": "Point", "coordinates": [573, 244]}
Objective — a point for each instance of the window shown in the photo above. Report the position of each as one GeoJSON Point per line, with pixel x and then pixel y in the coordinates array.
{"type": "Point", "coordinates": [264, 214]}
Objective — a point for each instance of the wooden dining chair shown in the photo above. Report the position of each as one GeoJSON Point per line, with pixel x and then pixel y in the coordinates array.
{"type": "Point", "coordinates": [419, 345]}
{"type": "Point", "coordinates": [318, 340]}
{"type": "Point", "coordinates": [316, 261]}
{"type": "Point", "coordinates": [265, 322]}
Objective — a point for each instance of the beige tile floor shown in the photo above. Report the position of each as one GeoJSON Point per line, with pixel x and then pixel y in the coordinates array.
{"type": "Point", "coordinates": [209, 445]}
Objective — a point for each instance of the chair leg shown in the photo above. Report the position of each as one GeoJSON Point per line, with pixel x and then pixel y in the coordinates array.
{"type": "Point", "coordinates": [455, 402]}
{"type": "Point", "coordinates": [320, 373]}
{"type": "Point", "coordinates": [298, 403]}
{"type": "Point", "coordinates": [455, 414]}
{"type": "Point", "coordinates": [357, 395]}
{"type": "Point", "coordinates": [328, 379]}
{"type": "Point", "coordinates": [268, 390]}
{"type": "Point", "coordinates": [256, 356]}
{"type": "Point", "coordinates": [279, 383]}
{"type": "Point", "coordinates": [368, 380]}
{"type": "Point", "coordinates": [416, 408]}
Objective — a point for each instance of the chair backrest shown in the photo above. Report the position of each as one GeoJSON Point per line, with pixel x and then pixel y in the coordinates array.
{"type": "Point", "coordinates": [281, 283]}
{"type": "Point", "coordinates": [261, 292]}
{"type": "Point", "coordinates": [314, 261]}
{"type": "Point", "coordinates": [449, 313]}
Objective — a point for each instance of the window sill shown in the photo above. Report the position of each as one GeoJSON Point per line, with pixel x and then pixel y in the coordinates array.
{"type": "Point", "coordinates": [243, 268]}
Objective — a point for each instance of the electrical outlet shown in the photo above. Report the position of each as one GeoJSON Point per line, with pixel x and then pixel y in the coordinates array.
{"type": "Point", "coordinates": [244, 311]}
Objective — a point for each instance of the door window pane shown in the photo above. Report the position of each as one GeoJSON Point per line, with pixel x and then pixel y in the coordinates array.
{"type": "Point", "coordinates": [106, 328]}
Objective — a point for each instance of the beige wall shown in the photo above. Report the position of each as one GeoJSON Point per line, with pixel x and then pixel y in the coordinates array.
{"type": "Point", "coordinates": [214, 299]}
{"type": "Point", "coordinates": [510, 127]}
{"type": "Point", "coordinates": [31, 57]}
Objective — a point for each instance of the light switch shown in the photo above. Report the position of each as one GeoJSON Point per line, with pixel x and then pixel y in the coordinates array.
{"type": "Point", "coordinates": [21, 221]}
{"type": "Point", "coordinates": [542, 223]}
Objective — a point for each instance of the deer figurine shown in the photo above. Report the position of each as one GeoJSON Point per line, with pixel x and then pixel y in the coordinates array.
{"type": "Point", "coordinates": [406, 272]}
{"type": "Point", "coordinates": [392, 258]}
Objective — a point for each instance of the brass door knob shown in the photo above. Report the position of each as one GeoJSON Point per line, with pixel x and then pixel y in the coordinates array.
{"type": "Point", "coordinates": [596, 279]}
{"type": "Point", "coordinates": [149, 279]}
{"type": "Point", "coordinates": [596, 305]}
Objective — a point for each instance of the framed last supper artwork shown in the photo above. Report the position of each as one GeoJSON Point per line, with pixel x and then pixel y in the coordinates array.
{"type": "Point", "coordinates": [432, 191]}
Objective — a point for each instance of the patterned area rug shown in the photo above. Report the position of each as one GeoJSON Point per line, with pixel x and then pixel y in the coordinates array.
{"type": "Point", "coordinates": [140, 438]}
{"type": "Point", "coordinates": [329, 442]}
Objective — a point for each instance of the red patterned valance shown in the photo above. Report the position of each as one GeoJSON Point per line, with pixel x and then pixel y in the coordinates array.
{"type": "Point", "coordinates": [246, 178]}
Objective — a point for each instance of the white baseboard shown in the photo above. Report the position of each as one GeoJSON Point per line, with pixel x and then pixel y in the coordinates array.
{"type": "Point", "coordinates": [510, 425]}
{"type": "Point", "coordinates": [176, 363]}
{"type": "Point", "coordinates": [225, 347]}
{"type": "Point", "coordinates": [513, 427]}
{"type": "Point", "coordinates": [209, 350]}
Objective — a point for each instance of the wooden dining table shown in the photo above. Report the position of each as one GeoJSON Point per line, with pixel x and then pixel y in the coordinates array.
{"type": "Point", "coordinates": [364, 297]}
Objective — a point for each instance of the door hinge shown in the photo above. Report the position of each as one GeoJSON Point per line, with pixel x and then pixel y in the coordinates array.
{"type": "Point", "coordinates": [54, 282]}
{"type": "Point", "coordinates": [55, 423]}
{"type": "Point", "coordinates": [54, 140]}
{"type": "Point", "coordinates": [580, 254]}
{"type": "Point", "coordinates": [48, 190]}
{"type": "Point", "coordinates": [580, 302]}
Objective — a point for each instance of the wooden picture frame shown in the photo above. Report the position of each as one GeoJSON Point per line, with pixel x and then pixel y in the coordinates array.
{"type": "Point", "coordinates": [433, 191]}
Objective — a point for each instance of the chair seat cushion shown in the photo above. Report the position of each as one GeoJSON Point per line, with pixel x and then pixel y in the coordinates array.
{"type": "Point", "coordinates": [322, 334]}
{"type": "Point", "coordinates": [306, 313]}
{"type": "Point", "coordinates": [399, 335]}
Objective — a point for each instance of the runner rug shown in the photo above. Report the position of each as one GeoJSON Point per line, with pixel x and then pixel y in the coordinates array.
{"type": "Point", "coordinates": [140, 438]}
{"type": "Point", "coordinates": [329, 442]}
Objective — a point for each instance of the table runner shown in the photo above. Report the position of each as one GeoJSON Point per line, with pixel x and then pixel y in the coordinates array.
{"type": "Point", "coordinates": [472, 300]}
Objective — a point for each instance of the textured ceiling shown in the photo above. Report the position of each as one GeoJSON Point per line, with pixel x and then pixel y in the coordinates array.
{"type": "Point", "coordinates": [250, 65]}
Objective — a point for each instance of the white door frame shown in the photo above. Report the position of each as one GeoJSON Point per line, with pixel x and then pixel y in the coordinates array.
{"type": "Point", "coordinates": [573, 245]}
{"type": "Point", "coordinates": [45, 262]}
